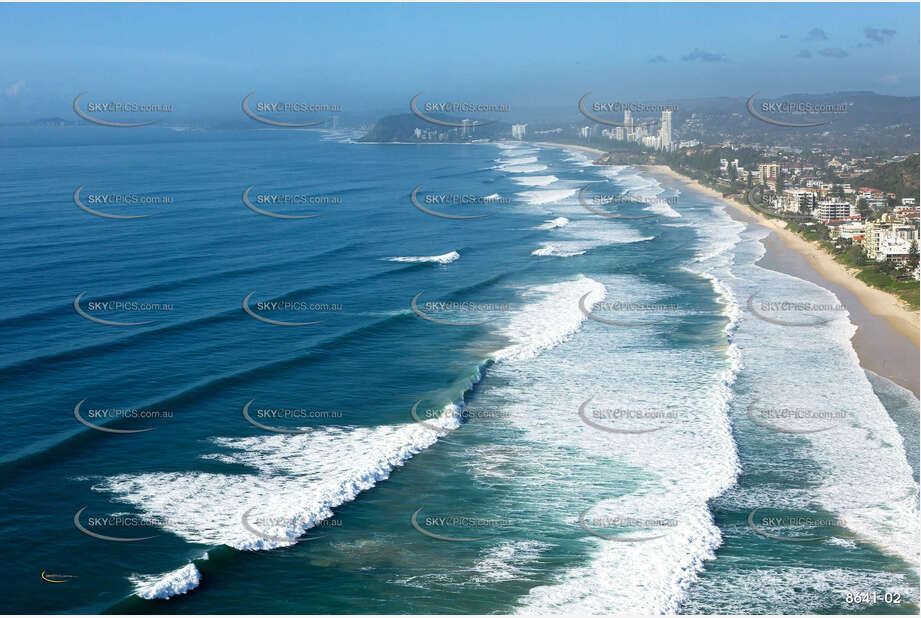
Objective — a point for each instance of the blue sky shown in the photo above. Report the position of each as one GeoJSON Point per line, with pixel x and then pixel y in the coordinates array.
{"type": "Point", "coordinates": [203, 58]}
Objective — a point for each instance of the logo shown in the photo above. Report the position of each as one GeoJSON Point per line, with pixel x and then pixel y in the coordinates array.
{"type": "Point", "coordinates": [784, 107]}
{"type": "Point", "coordinates": [603, 213]}
{"type": "Point", "coordinates": [83, 206]}
{"type": "Point", "coordinates": [276, 305]}
{"type": "Point", "coordinates": [617, 413]}
{"type": "Point", "coordinates": [111, 107]}
{"type": "Point", "coordinates": [617, 306]}
{"type": "Point", "coordinates": [106, 429]}
{"type": "Point", "coordinates": [110, 521]}
{"type": "Point", "coordinates": [791, 413]}
{"type": "Point", "coordinates": [108, 305]}
{"type": "Point", "coordinates": [258, 210]}
{"type": "Point", "coordinates": [460, 306]}
{"type": "Point", "coordinates": [610, 123]}
{"type": "Point", "coordinates": [56, 578]}
{"type": "Point", "coordinates": [453, 107]}
{"type": "Point", "coordinates": [798, 521]}
{"type": "Point", "coordinates": [455, 522]}
{"type": "Point", "coordinates": [415, 202]}
{"type": "Point", "coordinates": [799, 307]}
{"type": "Point", "coordinates": [275, 107]}
{"type": "Point", "coordinates": [624, 522]}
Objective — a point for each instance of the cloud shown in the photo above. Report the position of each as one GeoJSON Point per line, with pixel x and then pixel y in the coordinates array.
{"type": "Point", "coordinates": [15, 89]}
{"type": "Point", "coordinates": [816, 34]}
{"type": "Point", "coordinates": [658, 58]}
{"type": "Point", "coordinates": [833, 52]}
{"type": "Point", "coordinates": [704, 56]}
{"type": "Point", "coordinates": [804, 53]}
{"type": "Point", "coordinates": [785, 36]}
{"type": "Point", "coordinates": [879, 35]}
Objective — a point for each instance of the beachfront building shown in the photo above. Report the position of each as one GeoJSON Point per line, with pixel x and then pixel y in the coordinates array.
{"type": "Point", "coordinates": [665, 131]}
{"type": "Point", "coordinates": [889, 238]}
{"type": "Point", "coordinates": [832, 210]}
{"type": "Point", "coordinates": [797, 201]}
{"type": "Point", "coordinates": [519, 130]}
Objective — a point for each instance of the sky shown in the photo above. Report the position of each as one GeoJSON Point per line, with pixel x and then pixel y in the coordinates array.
{"type": "Point", "coordinates": [203, 58]}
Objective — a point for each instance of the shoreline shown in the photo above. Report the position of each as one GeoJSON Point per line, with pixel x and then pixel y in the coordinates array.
{"type": "Point", "coordinates": [887, 335]}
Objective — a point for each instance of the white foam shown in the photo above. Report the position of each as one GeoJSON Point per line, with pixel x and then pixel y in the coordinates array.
{"type": "Point", "coordinates": [550, 249]}
{"type": "Point", "coordinates": [671, 473]}
{"type": "Point", "coordinates": [535, 181]}
{"type": "Point", "coordinates": [527, 168]}
{"type": "Point", "coordinates": [297, 481]}
{"type": "Point", "coordinates": [548, 196]}
{"type": "Point", "coordinates": [507, 561]}
{"type": "Point", "coordinates": [445, 258]}
{"type": "Point", "coordinates": [550, 317]}
{"type": "Point", "coordinates": [553, 224]}
{"type": "Point", "coordinates": [640, 188]}
{"type": "Point", "coordinates": [166, 585]}
{"type": "Point", "coordinates": [517, 160]}
{"type": "Point", "coordinates": [788, 590]}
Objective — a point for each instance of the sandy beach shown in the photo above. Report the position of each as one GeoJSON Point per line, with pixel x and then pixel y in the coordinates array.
{"type": "Point", "coordinates": [887, 331]}
{"type": "Point", "coordinates": [887, 337]}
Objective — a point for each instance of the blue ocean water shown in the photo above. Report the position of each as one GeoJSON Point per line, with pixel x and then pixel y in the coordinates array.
{"type": "Point", "coordinates": [582, 436]}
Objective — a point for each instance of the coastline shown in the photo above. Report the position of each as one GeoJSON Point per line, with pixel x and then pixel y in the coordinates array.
{"type": "Point", "coordinates": [887, 335]}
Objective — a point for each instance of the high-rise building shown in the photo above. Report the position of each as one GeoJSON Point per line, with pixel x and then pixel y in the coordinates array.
{"type": "Point", "coordinates": [518, 130]}
{"type": "Point", "coordinates": [665, 131]}
{"type": "Point", "coordinates": [619, 134]}
{"type": "Point", "coordinates": [585, 132]}
{"type": "Point", "coordinates": [628, 122]}
{"type": "Point", "coordinates": [832, 210]}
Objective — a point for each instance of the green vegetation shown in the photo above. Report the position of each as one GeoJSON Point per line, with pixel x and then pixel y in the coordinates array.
{"type": "Point", "coordinates": [900, 178]}
{"type": "Point", "coordinates": [884, 276]}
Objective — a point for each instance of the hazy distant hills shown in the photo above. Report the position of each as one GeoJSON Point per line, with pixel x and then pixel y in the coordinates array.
{"type": "Point", "coordinates": [871, 124]}
{"type": "Point", "coordinates": [900, 178]}
{"type": "Point", "coordinates": [403, 128]}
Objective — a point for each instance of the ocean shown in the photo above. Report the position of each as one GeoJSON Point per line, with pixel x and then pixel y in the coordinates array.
{"type": "Point", "coordinates": [311, 375]}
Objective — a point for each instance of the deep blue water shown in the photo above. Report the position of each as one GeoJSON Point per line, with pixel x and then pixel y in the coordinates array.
{"type": "Point", "coordinates": [361, 463]}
